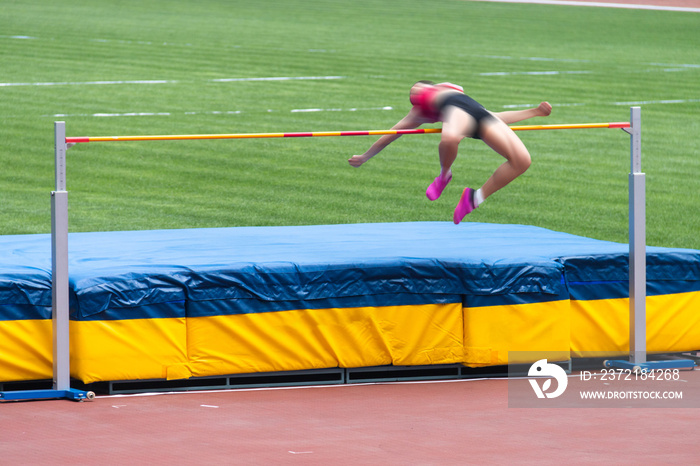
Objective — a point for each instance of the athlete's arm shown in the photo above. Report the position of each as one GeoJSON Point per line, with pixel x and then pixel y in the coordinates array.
{"type": "Point", "coordinates": [543, 109]}
{"type": "Point", "coordinates": [412, 120]}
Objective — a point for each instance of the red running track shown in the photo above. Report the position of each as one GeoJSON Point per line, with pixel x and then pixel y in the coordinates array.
{"type": "Point", "coordinates": [441, 423]}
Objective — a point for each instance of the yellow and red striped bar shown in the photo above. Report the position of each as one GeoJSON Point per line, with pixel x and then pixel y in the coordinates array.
{"type": "Point", "coordinates": [251, 135]}
{"type": "Point", "coordinates": [622, 124]}
{"type": "Point", "coordinates": [185, 137]}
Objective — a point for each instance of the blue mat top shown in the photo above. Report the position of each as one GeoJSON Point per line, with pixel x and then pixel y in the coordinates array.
{"type": "Point", "coordinates": [129, 269]}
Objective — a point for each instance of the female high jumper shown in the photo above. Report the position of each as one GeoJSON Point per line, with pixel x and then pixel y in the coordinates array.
{"type": "Point", "coordinates": [461, 117]}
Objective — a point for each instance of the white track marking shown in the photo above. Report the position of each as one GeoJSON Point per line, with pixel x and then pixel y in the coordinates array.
{"type": "Point", "coordinates": [229, 112]}
{"type": "Point", "coordinates": [532, 73]}
{"type": "Point", "coordinates": [307, 110]}
{"type": "Point", "coordinates": [564, 60]}
{"type": "Point", "coordinates": [166, 81]}
{"type": "Point", "coordinates": [89, 83]}
{"type": "Point", "coordinates": [284, 78]}
{"type": "Point", "coordinates": [657, 67]}
{"type": "Point", "coordinates": [601, 4]}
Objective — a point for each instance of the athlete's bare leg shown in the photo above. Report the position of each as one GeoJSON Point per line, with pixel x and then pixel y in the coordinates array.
{"type": "Point", "coordinates": [499, 137]}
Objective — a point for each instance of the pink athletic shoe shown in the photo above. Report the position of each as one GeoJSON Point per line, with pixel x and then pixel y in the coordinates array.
{"type": "Point", "coordinates": [437, 186]}
{"type": "Point", "coordinates": [465, 205]}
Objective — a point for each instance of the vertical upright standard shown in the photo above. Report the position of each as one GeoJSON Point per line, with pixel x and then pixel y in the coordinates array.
{"type": "Point", "coordinates": [638, 261]}
{"type": "Point", "coordinates": [60, 287]}
{"type": "Point", "coordinates": [59, 265]}
{"type": "Point", "coordinates": [637, 240]}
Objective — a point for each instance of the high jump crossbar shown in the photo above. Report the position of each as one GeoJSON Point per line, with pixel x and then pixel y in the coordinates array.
{"type": "Point", "coordinates": [59, 244]}
{"type": "Point", "coordinates": [189, 137]}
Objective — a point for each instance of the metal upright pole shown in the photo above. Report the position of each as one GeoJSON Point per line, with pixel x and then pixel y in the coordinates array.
{"type": "Point", "coordinates": [59, 288]}
{"type": "Point", "coordinates": [638, 262]}
{"type": "Point", "coordinates": [59, 265]}
{"type": "Point", "coordinates": [637, 240]}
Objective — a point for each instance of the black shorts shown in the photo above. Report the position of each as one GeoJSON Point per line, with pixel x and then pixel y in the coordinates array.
{"type": "Point", "coordinates": [472, 107]}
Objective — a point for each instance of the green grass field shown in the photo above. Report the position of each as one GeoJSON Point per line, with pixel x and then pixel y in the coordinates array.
{"type": "Point", "coordinates": [183, 67]}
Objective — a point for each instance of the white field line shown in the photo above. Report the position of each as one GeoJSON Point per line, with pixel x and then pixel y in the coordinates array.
{"type": "Point", "coordinates": [147, 43]}
{"type": "Point", "coordinates": [296, 78]}
{"type": "Point", "coordinates": [89, 83]}
{"type": "Point", "coordinates": [669, 68]}
{"type": "Point", "coordinates": [657, 67]}
{"type": "Point", "coordinates": [674, 66]}
{"type": "Point", "coordinates": [532, 73]}
{"type": "Point", "coordinates": [601, 4]}
{"type": "Point", "coordinates": [226, 112]}
{"type": "Point", "coordinates": [165, 81]}
{"type": "Point", "coordinates": [18, 37]}
{"type": "Point", "coordinates": [563, 60]}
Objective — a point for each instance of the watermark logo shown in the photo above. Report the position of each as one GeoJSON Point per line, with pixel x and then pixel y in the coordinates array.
{"type": "Point", "coordinates": [595, 384]}
{"type": "Point", "coordinates": [542, 369]}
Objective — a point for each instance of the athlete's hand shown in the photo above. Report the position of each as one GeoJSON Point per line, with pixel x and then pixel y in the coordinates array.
{"type": "Point", "coordinates": [357, 160]}
{"type": "Point", "coordinates": [544, 109]}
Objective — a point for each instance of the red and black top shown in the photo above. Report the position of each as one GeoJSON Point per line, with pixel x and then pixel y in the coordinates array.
{"type": "Point", "coordinates": [424, 99]}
